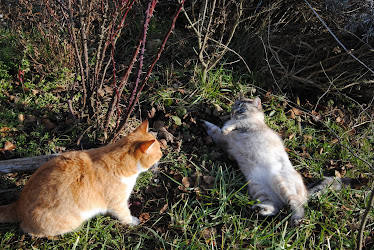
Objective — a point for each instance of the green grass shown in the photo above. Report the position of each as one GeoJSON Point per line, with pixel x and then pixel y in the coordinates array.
{"type": "Point", "coordinates": [25, 104]}
{"type": "Point", "coordinates": [197, 217]}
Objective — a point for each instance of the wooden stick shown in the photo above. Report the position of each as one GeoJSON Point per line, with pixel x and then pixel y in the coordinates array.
{"type": "Point", "coordinates": [28, 164]}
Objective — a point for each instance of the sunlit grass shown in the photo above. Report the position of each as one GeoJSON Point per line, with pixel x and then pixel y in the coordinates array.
{"type": "Point", "coordinates": [215, 218]}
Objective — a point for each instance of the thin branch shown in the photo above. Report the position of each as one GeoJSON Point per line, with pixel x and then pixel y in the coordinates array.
{"type": "Point", "coordinates": [77, 54]}
{"type": "Point", "coordinates": [233, 51]}
{"type": "Point", "coordinates": [122, 84]}
{"type": "Point", "coordinates": [205, 40]}
{"type": "Point", "coordinates": [84, 38]}
{"type": "Point", "coordinates": [103, 30]}
{"type": "Point", "coordinates": [364, 220]}
{"type": "Point", "coordinates": [149, 12]}
{"type": "Point", "coordinates": [225, 48]}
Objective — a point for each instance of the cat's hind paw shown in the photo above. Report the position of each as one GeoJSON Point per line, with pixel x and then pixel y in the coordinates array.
{"type": "Point", "coordinates": [265, 209]}
{"type": "Point", "coordinates": [297, 220]}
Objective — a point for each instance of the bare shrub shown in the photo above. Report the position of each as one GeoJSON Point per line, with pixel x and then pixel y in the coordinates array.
{"type": "Point", "coordinates": [105, 42]}
{"type": "Point", "coordinates": [214, 24]}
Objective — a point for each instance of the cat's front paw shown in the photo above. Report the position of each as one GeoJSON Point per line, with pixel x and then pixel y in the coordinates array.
{"type": "Point", "coordinates": [207, 125]}
{"type": "Point", "coordinates": [131, 221]}
{"type": "Point", "coordinates": [226, 130]}
{"type": "Point", "coordinates": [210, 127]}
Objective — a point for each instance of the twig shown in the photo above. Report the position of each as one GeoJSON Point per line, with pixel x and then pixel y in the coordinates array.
{"type": "Point", "coordinates": [103, 30]}
{"type": "Point", "coordinates": [233, 51]}
{"type": "Point", "coordinates": [115, 97]}
{"type": "Point", "coordinates": [205, 40]}
{"type": "Point", "coordinates": [364, 221]}
{"type": "Point", "coordinates": [148, 16]}
{"type": "Point", "coordinates": [270, 68]}
{"type": "Point", "coordinates": [71, 109]}
{"type": "Point", "coordinates": [77, 55]}
{"type": "Point", "coordinates": [222, 53]}
{"type": "Point", "coordinates": [141, 41]}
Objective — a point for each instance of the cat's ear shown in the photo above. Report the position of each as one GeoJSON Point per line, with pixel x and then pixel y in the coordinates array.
{"type": "Point", "coordinates": [142, 127]}
{"type": "Point", "coordinates": [257, 103]}
{"type": "Point", "coordinates": [145, 146]}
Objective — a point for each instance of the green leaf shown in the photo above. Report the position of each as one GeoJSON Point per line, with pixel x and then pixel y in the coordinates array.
{"type": "Point", "coordinates": [181, 112]}
{"type": "Point", "coordinates": [177, 120]}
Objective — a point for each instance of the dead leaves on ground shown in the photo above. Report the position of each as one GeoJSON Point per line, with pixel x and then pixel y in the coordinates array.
{"type": "Point", "coordinates": [176, 184]}
{"type": "Point", "coordinates": [196, 183]}
{"type": "Point", "coordinates": [6, 151]}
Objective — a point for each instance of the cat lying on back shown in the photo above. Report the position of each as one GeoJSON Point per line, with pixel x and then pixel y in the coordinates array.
{"type": "Point", "coordinates": [70, 189]}
{"type": "Point", "coordinates": [262, 158]}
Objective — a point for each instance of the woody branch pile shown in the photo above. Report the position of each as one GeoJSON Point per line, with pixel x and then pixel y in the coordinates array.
{"type": "Point", "coordinates": [320, 46]}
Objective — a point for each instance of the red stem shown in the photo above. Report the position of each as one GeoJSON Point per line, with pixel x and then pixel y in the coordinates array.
{"type": "Point", "coordinates": [149, 12]}
{"type": "Point", "coordinates": [155, 59]}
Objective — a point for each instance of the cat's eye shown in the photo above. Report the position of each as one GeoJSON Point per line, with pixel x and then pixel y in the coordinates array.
{"type": "Point", "coordinates": [240, 109]}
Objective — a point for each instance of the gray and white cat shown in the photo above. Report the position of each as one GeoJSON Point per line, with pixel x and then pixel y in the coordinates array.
{"type": "Point", "coordinates": [261, 156]}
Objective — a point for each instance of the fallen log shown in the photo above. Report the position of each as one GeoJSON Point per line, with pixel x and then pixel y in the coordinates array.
{"type": "Point", "coordinates": [28, 164]}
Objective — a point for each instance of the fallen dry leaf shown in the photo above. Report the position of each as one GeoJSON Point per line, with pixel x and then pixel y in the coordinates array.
{"type": "Point", "coordinates": [164, 134]}
{"type": "Point", "coordinates": [9, 146]}
{"type": "Point", "coordinates": [144, 217]}
{"type": "Point", "coordinates": [291, 136]}
{"type": "Point", "coordinates": [162, 131]}
{"type": "Point", "coordinates": [307, 138]}
{"type": "Point", "coordinates": [164, 208]}
{"type": "Point", "coordinates": [187, 182]}
{"type": "Point", "coordinates": [297, 111]}
{"type": "Point", "coordinates": [337, 174]}
{"type": "Point", "coordinates": [152, 112]}
{"type": "Point", "coordinates": [320, 151]}
{"type": "Point", "coordinates": [346, 208]}
{"type": "Point", "coordinates": [21, 118]}
{"type": "Point", "coordinates": [334, 141]}
{"type": "Point", "coordinates": [208, 232]}
{"type": "Point", "coordinates": [317, 118]}
{"type": "Point", "coordinates": [292, 113]}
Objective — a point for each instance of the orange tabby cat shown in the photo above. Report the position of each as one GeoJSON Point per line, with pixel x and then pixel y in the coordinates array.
{"type": "Point", "coordinates": [70, 189]}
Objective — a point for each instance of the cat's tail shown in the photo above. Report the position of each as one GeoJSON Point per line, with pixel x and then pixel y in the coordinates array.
{"type": "Point", "coordinates": [8, 213]}
{"type": "Point", "coordinates": [334, 183]}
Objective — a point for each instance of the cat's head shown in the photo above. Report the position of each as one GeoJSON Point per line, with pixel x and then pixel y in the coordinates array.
{"type": "Point", "coordinates": [147, 148]}
{"type": "Point", "coordinates": [247, 108]}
